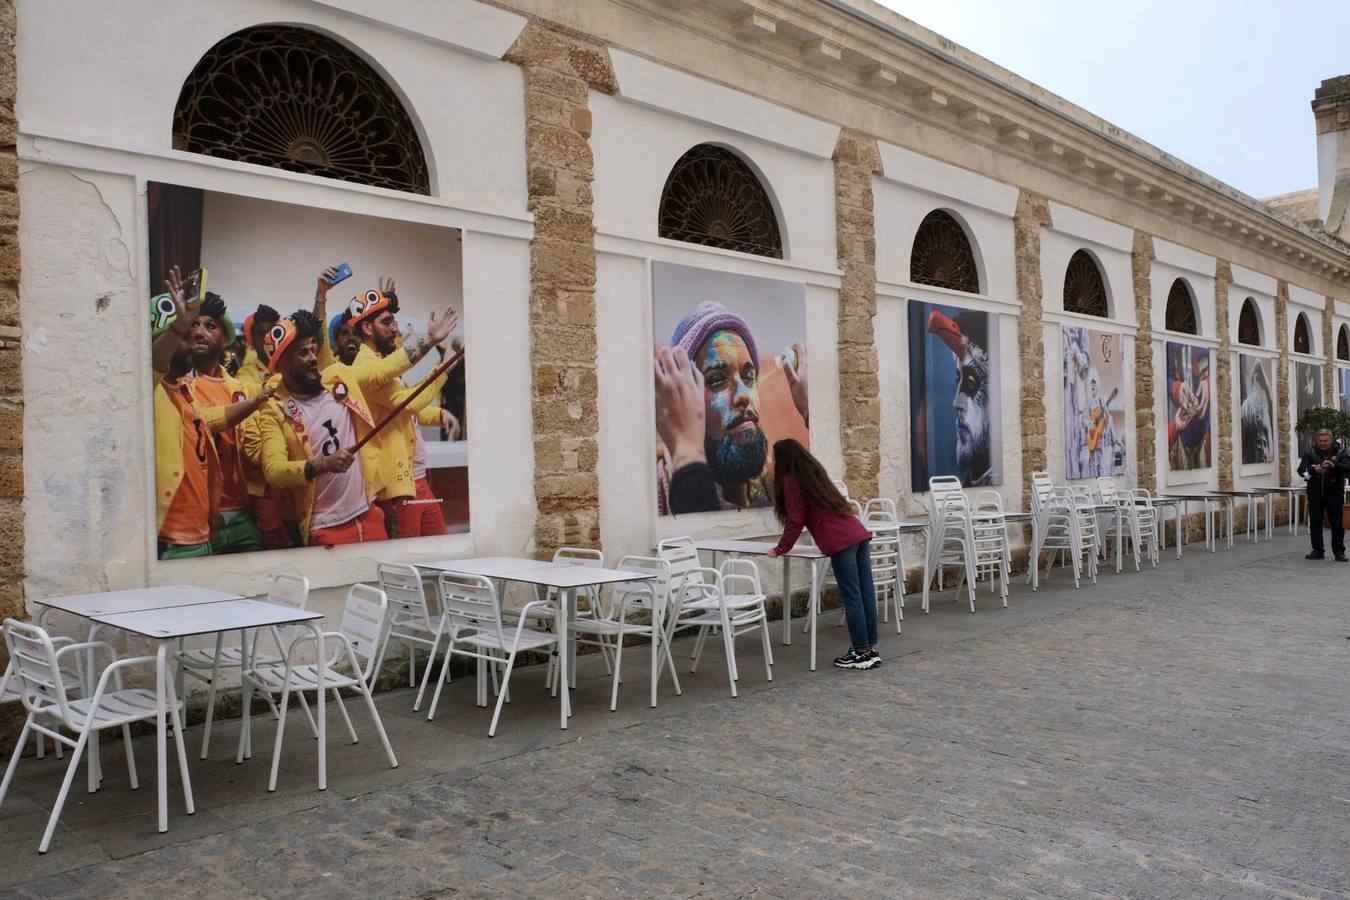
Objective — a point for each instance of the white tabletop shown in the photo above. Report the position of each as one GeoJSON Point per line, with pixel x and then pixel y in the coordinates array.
{"type": "Point", "coordinates": [487, 566]}
{"type": "Point", "coordinates": [566, 576]}
{"type": "Point", "coordinates": [205, 618]}
{"type": "Point", "coordinates": [135, 600]}
{"type": "Point", "coordinates": [758, 548]}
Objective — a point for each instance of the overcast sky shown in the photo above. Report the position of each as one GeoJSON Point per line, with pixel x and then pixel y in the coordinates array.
{"type": "Point", "coordinates": [1224, 86]}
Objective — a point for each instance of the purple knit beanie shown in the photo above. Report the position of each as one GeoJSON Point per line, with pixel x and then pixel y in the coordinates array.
{"type": "Point", "coordinates": [705, 319]}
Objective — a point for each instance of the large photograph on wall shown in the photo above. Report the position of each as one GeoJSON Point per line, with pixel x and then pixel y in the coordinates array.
{"type": "Point", "coordinates": [955, 415]}
{"type": "Point", "coordinates": [1256, 392]}
{"type": "Point", "coordinates": [1343, 390]}
{"type": "Point", "coordinates": [730, 370]}
{"type": "Point", "coordinates": [1307, 395]}
{"type": "Point", "coordinates": [308, 376]}
{"type": "Point", "coordinates": [1094, 403]}
{"type": "Point", "coordinates": [1189, 394]}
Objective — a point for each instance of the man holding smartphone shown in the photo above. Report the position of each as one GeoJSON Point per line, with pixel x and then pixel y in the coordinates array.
{"type": "Point", "coordinates": [1325, 467]}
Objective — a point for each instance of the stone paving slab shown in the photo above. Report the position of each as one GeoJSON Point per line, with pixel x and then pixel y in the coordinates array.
{"type": "Point", "coordinates": [1178, 732]}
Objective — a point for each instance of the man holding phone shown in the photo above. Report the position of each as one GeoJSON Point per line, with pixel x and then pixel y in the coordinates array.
{"type": "Point", "coordinates": [1325, 466]}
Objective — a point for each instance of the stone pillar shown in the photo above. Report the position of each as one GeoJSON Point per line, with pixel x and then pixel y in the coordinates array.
{"type": "Point", "coordinates": [11, 378]}
{"type": "Point", "coordinates": [1284, 427]}
{"type": "Point", "coordinates": [856, 160]}
{"type": "Point", "coordinates": [1146, 439]}
{"type": "Point", "coordinates": [1223, 374]}
{"type": "Point", "coordinates": [1329, 352]}
{"type": "Point", "coordinates": [559, 71]}
{"type": "Point", "coordinates": [1033, 214]}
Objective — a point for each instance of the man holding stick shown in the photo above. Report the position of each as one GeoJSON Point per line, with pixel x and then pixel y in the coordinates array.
{"type": "Point", "coordinates": [416, 511]}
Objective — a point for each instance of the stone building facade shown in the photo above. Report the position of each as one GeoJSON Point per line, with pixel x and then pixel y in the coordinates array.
{"type": "Point", "coordinates": [549, 131]}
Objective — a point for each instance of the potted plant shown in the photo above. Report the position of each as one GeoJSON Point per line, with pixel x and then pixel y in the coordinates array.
{"type": "Point", "coordinates": [1313, 420]}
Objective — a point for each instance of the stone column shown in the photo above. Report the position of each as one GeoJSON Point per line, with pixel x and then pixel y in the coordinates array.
{"type": "Point", "coordinates": [1223, 373]}
{"type": "Point", "coordinates": [1329, 352]}
{"type": "Point", "coordinates": [11, 377]}
{"type": "Point", "coordinates": [1033, 214]}
{"type": "Point", "coordinates": [856, 160]}
{"type": "Point", "coordinates": [1146, 439]}
{"type": "Point", "coordinates": [1284, 427]}
{"type": "Point", "coordinates": [559, 71]}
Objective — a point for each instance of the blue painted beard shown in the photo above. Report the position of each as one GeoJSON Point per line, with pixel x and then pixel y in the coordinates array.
{"type": "Point", "coordinates": [737, 457]}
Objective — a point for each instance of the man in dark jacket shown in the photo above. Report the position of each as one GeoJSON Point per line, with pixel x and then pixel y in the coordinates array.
{"type": "Point", "coordinates": [1325, 466]}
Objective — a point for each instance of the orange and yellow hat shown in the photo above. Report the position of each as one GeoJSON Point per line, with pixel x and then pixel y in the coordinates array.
{"type": "Point", "coordinates": [277, 341]}
{"type": "Point", "coordinates": [369, 303]}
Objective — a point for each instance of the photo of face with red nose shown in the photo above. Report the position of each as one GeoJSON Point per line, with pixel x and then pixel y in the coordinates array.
{"type": "Point", "coordinates": [954, 395]}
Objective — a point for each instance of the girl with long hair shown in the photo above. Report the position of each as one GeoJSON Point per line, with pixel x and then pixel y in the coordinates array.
{"type": "Point", "coordinates": [804, 496]}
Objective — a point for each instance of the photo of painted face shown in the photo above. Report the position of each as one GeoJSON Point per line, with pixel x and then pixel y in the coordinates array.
{"type": "Point", "coordinates": [1094, 403]}
{"type": "Point", "coordinates": [1258, 409]}
{"type": "Point", "coordinates": [1188, 407]}
{"type": "Point", "coordinates": [739, 385]}
{"type": "Point", "coordinates": [954, 395]}
{"type": "Point", "coordinates": [1343, 389]}
{"type": "Point", "coordinates": [1307, 395]}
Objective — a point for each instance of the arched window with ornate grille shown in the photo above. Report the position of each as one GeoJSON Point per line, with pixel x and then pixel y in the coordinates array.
{"type": "Point", "coordinates": [1180, 315]}
{"type": "Point", "coordinates": [1302, 334]}
{"type": "Point", "coordinates": [713, 197]}
{"type": "Point", "coordinates": [942, 255]}
{"type": "Point", "coordinates": [1343, 343]}
{"type": "Point", "coordinates": [1084, 289]}
{"type": "Point", "coordinates": [289, 98]}
{"type": "Point", "coordinates": [1249, 324]}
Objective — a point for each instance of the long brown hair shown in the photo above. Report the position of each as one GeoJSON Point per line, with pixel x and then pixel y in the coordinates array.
{"type": "Point", "coordinates": [792, 460]}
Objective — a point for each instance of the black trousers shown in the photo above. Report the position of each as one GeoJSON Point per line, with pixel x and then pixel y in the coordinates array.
{"type": "Point", "coordinates": [1330, 506]}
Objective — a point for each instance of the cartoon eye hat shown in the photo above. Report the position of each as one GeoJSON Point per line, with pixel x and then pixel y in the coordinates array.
{"type": "Point", "coordinates": [370, 303]}
{"type": "Point", "coordinates": [277, 341]}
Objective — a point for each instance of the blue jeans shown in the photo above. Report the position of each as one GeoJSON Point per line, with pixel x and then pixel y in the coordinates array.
{"type": "Point", "coordinates": [853, 572]}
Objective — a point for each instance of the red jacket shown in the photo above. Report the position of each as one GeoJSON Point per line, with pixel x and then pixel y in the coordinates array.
{"type": "Point", "coordinates": [831, 531]}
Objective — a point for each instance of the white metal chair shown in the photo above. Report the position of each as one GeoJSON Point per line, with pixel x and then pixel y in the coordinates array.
{"type": "Point", "coordinates": [1057, 530]}
{"type": "Point", "coordinates": [733, 603]}
{"type": "Point", "coordinates": [350, 662]}
{"type": "Point", "coordinates": [609, 626]}
{"type": "Point", "coordinates": [72, 677]}
{"type": "Point", "coordinates": [41, 684]}
{"type": "Point", "coordinates": [1144, 527]}
{"type": "Point", "coordinates": [591, 608]}
{"type": "Point", "coordinates": [841, 487]}
{"type": "Point", "coordinates": [888, 574]}
{"type": "Point", "coordinates": [689, 581]}
{"type": "Point", "coordinates": [952, 538]}
{"type": "Point", "coordinates": [993, 547]}
{"type": "Point", "coordinates": [205, 664]}
{"type": "Point", "coordinates": [410, 621]}
{"type": "Point", "coordinates": [473, 615]}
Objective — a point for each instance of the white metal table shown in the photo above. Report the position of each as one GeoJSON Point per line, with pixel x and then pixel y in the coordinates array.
{"type": "Point", "coordinates": [1295, 500]}
{"type": "Point", "coordinates": [565, 577]}
{"type": "Point", "coordinates": [1253, 496]}
{"type": "Point", "coordinates": [168, 624]}
{"type": "Point", "coordinates": [1209, 499]}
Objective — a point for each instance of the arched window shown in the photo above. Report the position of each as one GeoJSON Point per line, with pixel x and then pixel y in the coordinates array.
{"type": "Point", "coordinates": [713, 198]}
{"type": "Point", "coordinates": [1302, 335]}
{"type": "Point", "coordinates": [1180, 314]}
{"type": "Point", "coordinates": [1084, 290]}
{"type": "Point", "coordinates": [942, 255]}
{"type": "Point", "coordinates": [285, 97]}
{"type": "Point", "coordinates": [1249, 324]}
{"type": "Point", "coordinates": [1343, 343]}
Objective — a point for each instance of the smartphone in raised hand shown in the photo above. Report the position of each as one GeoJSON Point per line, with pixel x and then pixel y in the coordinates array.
{"type": "Point", "coordinates": [343, 272]}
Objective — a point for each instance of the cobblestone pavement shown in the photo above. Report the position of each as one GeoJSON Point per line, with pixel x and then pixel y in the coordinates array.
{"type": "Point", "coordinates": [1180, 732]}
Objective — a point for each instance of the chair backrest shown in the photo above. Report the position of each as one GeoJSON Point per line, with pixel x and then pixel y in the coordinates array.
{"type": "Point", "coordinates": [402, 585]}
{"type": "Point", "coordinates": [856, 507]}
{"type": "Point", "coordinates": [1106, 489]}
{"type": "Point", "coordinates": [989, 501]}
{"type": "Point", "coordinates": [579, 556]}
{"type": "Point", "coordinates": [740, 577]}
{"type": "Point", "coordinates": [647, 565]}
{"type": "Point", "coordinates": [841, 487]}
{"type": "Point", "coordinates": [365, 620]}
{"type": "Point", "coordinates": [1042, 486]}
{"type": "Point", "coordinates": [35, 674]}
{"type": "Point", "coordinates": [686, 569]}
{"type": "Point", "coordinates": [883, 508]}
{"type": "Point", "coordinates": [289, 590]}
{"type": "Point", "coordinates": [471, 602]}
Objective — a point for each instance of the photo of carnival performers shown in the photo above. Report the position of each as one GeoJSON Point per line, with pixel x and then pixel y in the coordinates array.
{"type": "Point", "coordinates": [954, 384]}
{"type": "Point", "coordinates": [1094, 403]}
{"type": "Point", "coordinates": [1307, 395]}
{"type": "Point", "coordinates": [1343, 389]}
{"type": "Point", "coordinates": [1257, 396]}
{"type": "Point", "coordinates": [310, 433]}
{"type": "Point", "coordinates": [730, 374]}
{"type": "Point", "coordinates": [1189, 393]}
